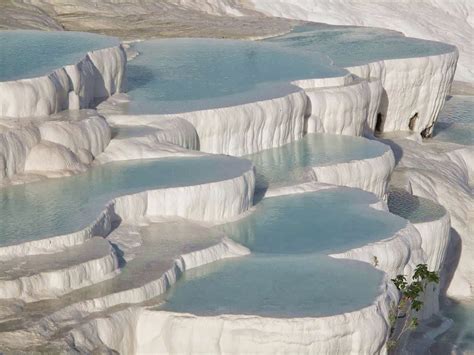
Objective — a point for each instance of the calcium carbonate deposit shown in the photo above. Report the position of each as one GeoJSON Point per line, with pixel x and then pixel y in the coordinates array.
{"type": "Point", "coordinates": [230, 196]}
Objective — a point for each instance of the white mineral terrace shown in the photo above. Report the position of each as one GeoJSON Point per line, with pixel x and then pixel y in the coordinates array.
{"type": "Point", "coordinates": [216, 196]}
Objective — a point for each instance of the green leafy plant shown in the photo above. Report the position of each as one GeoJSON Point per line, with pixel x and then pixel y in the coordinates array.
{"type": "Point", "coordinates": [403, 315]}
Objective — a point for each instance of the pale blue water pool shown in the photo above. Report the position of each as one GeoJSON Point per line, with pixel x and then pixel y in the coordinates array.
{"type": "Point", "coordinates": [290, 163]}
{"type": "Point", "coordinates": [276, 286]}
{"type": "Point", "coordinates": [27, 54]}
{"type": "Point", "coordinates": [326, 221]}
{"type": "Point", "coordinates": [289, 273]}
{"type": "Point", "coordinates": [180, 75]}
{"type": "Point", "coordinates": [456, 121]}
{"type": "Point", "coordinates": [60, 206]}
{"type": "Point", "coordinates": [349, 45]}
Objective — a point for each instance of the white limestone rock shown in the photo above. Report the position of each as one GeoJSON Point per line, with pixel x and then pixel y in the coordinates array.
{"type": "Point", "coordinates": [339, 110]}
{"type": "Point", "coordinates": [247, 128]}
{"type": "Point", "coordinates": [413, 87]}
{"type": "Point", "coordinates": [48, 156]}
{"type": "Point", "coordinates": [367, 174]}
{"type": "Point", "coordinates": [59, 145]}
{"type": "Point", "coordinates": [99, 75]}
{"type": "Point", "coordinates": [91, 134]}
{"type": "Point", "coordinates": [158, 138]}
{"type": "Point", "coordinates": [435, 239]}
{"type": "Point", "coordinates": [34, 279]}
{"type": "Point", "coordinates": [15, 145]}
{"type": "Point", "coordinates": [444, 178]}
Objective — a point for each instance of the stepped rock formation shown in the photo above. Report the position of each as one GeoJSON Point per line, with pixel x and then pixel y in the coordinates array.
{"type": "Point", "coordinates": [94, 284]}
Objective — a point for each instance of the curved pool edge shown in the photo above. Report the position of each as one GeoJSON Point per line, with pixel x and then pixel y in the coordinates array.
{"type": "Point", "coordinates": [100, 74]}
{"type": "Point", "coordinates": [370, 174]}
{"type": "Point", "coordinates": [253, 333]}
{"type": "Point", "coordinates": [222, 249]}
{"type": "Point", "coordinates": [204, 202]}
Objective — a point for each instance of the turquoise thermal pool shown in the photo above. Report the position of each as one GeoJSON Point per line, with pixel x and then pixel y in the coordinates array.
{"type": "Point", "coordinates": [59, 206]}
{"type": "Point", "coordinates": [415, 209]}
{"type": "Point", "coordinates": [350, 46]}
{"type": "Point", "coordinates": [181, 75]}
{"type": "Point", "coordinates": [289, 272]}
{"type": "Point", "coordinates": [163, 243]}
{"type": "Point", "coordinates": [27, 54]}
{"type": "Point", "coordinates": [327, 221]}
{"type": "Point", "coordinates": [456, 121]}
{"type": "Point", "coordinates": [291, 163]}
{"type": "Point", "coordinates": [276, 286]}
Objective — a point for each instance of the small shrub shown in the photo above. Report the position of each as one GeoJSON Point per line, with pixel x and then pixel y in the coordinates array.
{"type": "Point", "coordinates": [410, 301]}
